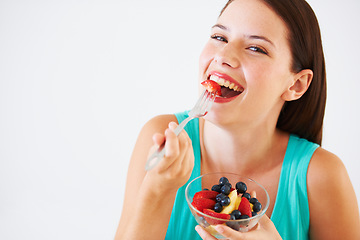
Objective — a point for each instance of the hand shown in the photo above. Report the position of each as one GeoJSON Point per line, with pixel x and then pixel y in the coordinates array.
{"type": "Point", "coordinates": [265, 229]}
{"type": "Point", "coordinates": [175, 168]}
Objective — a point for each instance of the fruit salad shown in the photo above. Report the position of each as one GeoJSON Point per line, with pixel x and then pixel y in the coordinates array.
{"type": "Point", "coordinates": [226, 202]}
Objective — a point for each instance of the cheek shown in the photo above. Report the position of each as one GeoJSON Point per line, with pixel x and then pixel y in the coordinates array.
{"type": "Point", "coordinates": [263, 81]}
{"type": "Point", "coordinates": [270, 85]}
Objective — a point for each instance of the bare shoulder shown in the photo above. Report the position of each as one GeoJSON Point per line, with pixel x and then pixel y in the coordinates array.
{"type": "Point", "coordinates": [331, 198]}
{"type": "Point", "coordinates": [144, 141]}
{"type": "Point", "coordinates": [163, 118]}
{"type": "Point", "coordinates": [159, 123]}
{"type": "Point", "coordinates": [324, 166]}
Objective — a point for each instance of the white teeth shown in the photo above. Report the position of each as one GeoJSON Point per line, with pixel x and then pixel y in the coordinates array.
{"type": "Point", "coordinates": [214, 78]}
{"type": "Point", "coordinates": [223, 82]}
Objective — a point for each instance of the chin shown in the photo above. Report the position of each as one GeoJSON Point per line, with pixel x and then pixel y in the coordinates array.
{"type": "Point", "coordinates": [216, 117]}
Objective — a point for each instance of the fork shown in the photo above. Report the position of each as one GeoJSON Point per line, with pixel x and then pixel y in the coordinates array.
{"type": "Point", "coordinates": [200, 109]}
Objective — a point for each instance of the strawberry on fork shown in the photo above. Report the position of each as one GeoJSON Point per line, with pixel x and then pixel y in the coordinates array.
{"type": "Point", "coordinates": [212, 87]}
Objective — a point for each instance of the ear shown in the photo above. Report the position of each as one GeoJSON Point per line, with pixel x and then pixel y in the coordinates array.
{"type": "Point", "coordinates": [299, 85]}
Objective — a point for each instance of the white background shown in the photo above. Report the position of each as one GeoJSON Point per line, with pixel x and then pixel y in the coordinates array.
{"type": "Point", "coordinates": [78, 79]}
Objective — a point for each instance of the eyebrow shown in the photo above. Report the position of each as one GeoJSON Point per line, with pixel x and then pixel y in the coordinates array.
{"type": "Point", "coordinates": [261, 38]}
{"type": "Point", "coordinates": [247, 36]}
{"type": "Point", "coordinates": [220, 26]}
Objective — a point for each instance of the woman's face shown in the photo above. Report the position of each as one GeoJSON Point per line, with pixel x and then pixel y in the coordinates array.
{"type": "Point", "coordinates": [248, 49]}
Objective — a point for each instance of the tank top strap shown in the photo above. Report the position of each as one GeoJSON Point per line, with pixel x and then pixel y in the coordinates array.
{"type": "Point", "coordinates": [291, 210]}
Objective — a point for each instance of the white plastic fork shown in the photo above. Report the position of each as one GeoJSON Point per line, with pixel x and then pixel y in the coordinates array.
{"type": "Point", "coordinates": [200, 109]}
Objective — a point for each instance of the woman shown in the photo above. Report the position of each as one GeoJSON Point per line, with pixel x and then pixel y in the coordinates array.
{"type": "Point", "coordinates": [270, 132]}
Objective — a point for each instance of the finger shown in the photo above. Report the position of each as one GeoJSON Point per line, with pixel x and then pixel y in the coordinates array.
{"type": "Point", "coordinates": [268, 227]}
{"type": "Point", "coordinates": [229, 232]}
{"type": "Point", "coordinates": [184, 144]}
{"type": "Point", "coordinates": [177, 149]}
{"type": "Point", "coordinates": [203, 233]}
{"type": "Point", "coordinates": [172, 148]}
{"type": "Point", "coordinates": [185, 154]}
{"type": "Point", "coordinates": [173, 125]}
{"type": "Point", "coordinates": [265, 222]}
{"type": "Point", "coordinates": [158, 139]}
{"type": "Point", "coordinates": [253, 194]}
{"type": "Point", "coordinates": [171, 144]}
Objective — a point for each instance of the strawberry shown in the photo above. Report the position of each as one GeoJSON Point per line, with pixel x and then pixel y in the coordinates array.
{"type": "Point", "coordinates": [206, 194]}
{"type": "Point", "coordinates": [217, 215]}
{"type": "Point", "coordinates": [245, 207]}
{"type": "Point", "coordinates": [212, 87]}
{"type": "Point", "coordinates": [202, 203]}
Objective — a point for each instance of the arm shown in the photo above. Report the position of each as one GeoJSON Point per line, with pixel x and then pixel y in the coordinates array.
{"type": "Point", "coordinates": [334, 212]}
{"type": "Point", "coordinates": [149, 196]}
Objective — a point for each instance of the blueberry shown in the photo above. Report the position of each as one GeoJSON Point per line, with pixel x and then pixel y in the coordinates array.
{"type": "Point", "coordinates": [226, 189]}
{"type": "Point", "coordinates": [216, 188]}
{"type": "Point", "coordinates": [218, 207]}
{"type": "Point", "coordinates": [223, 181]}
{"type": "Point", "coordinates": [257, 207]}
{"type": "Point", "coordinates": [247, 195]}
{"type": "Point", "coordinates": [253, 200]}
{"type": "Point", "coordinates": [241, 187]}
{"type": "Point", "coordinates": [244, 216]}
{"type": "Point", "coordinates": [219, 197]}
{"type": "Point", "coordinates": [235, 214]}
{"type": "Point", "coordinates": [232, 217]}
{"type": "Point", "coordinates": [245, 222]}
{"type": "Point", "coordinates": [253, 214]}
{"type": "Point", "coordinates": [205, 189]}
{"type": "Point", "coordinates": [225, 201]}
{"type": "Point", "coordinates": [228, 184]}
{"type": "Point", "coordinates": [233, 225]}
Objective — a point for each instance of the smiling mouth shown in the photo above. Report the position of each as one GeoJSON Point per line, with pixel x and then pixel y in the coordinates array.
{"type": "Point", "coordinates": [228, 89]}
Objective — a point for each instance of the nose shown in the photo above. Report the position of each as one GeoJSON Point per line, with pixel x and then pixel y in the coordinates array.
{"type": "Point", "coordinates": [228, 55]}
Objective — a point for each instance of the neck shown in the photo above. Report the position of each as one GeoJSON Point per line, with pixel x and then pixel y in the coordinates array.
{"type": "Point", "coordinates": [242, 149]}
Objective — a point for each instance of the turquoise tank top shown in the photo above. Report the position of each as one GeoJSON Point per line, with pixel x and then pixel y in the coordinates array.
{"type": "Point", "coordinates": [291, 210]}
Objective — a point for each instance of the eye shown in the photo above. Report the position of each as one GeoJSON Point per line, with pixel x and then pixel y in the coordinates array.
{"type": "Point", "coordinates": [219, 38]}
{"type": "Point", "coordinates": [258, 49]}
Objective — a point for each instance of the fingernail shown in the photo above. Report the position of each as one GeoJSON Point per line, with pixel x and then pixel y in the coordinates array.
{"type": "Point", "coordinates": [167, 131]}
{"type": "Point", "coordinates": [200, 231]}
{"type": "Point", "coordinates": [172, 125]}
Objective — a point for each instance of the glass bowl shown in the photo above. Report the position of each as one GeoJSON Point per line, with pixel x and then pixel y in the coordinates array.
{"type": "Point", "coordinates": [208, 222]}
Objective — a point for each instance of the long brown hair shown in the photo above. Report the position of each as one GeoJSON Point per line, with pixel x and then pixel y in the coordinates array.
{"type": "Point", "coordinates": [303, 117]}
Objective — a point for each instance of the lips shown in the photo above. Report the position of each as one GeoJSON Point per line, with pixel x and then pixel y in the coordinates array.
{"type": "Point", "coordinates": [229, 87]}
